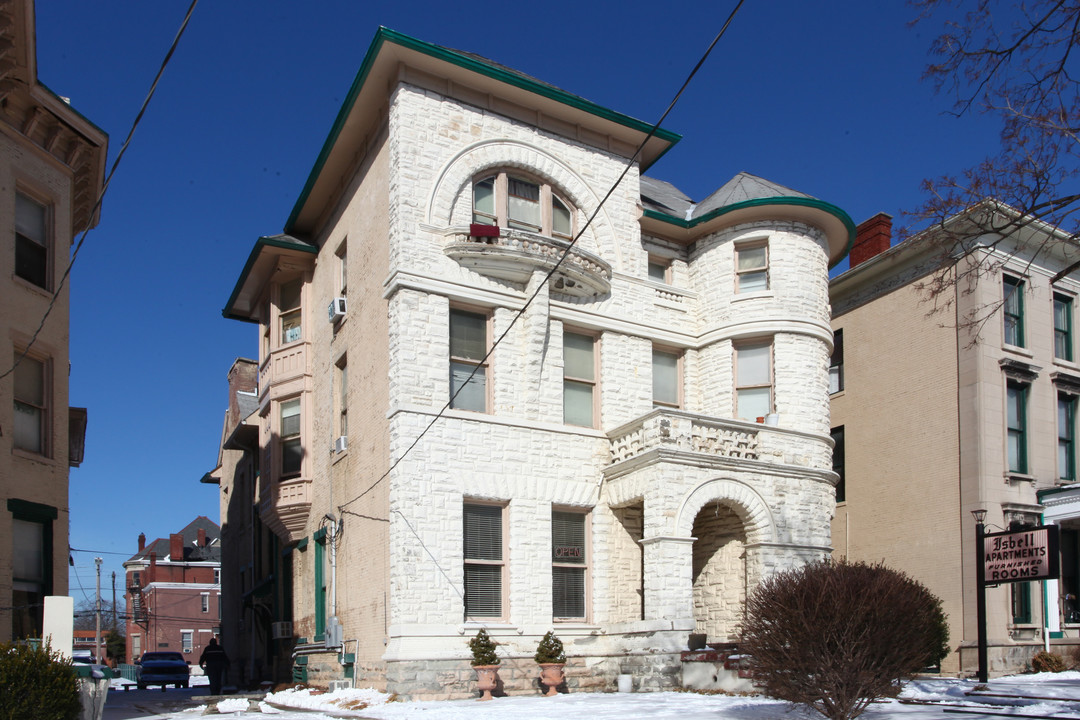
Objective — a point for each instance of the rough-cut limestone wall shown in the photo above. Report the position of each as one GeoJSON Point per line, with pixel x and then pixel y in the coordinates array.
{"type": "Point", "coordinates": [719, 572]}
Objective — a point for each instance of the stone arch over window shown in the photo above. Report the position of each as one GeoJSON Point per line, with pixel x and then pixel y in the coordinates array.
{"type": "Point", "coordinates": [748, 505]}
{"type": "Point", "coordinates": [450, 202]}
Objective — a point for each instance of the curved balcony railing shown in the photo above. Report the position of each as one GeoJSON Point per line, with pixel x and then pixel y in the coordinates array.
{"type": "Point", "coordinates": [514, 255]}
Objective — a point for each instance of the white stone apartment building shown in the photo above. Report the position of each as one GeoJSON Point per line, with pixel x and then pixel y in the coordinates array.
{"type": "Point", "coordinates": [931, 425]}
{"type": "Point", "coordinates": [52, 165]}
{"type": "Point", "coordinates": [498, 428]}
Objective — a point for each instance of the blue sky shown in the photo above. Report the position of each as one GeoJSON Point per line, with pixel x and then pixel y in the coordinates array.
{"type": "Point", "coordinates": [825, 98]}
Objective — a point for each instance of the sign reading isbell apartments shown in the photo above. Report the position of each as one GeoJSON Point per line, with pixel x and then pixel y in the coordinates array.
{"type": "Point", "coordinates": [1021, 556]}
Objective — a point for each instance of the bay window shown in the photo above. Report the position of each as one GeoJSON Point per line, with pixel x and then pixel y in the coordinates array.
{"type": "Point", "coordinates": [292, 452]}
{"type": "Point", "coordinates": [518, 202]}
{"type": "Point", "coordinates": [484, 560]}
{"type": "Point", "coordinates": [290, 314]}
{"type": "Point", "coordinates": [468, 370]}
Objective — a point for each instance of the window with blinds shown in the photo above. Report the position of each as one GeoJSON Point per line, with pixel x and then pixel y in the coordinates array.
{"type": "Point", "coordinates": [484, 564]}
{"type": "Point", "coordinates": [569, 565]}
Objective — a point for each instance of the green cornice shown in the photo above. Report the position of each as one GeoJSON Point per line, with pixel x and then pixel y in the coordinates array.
{"type": "Point", "coordinates": [276, 241]}
{"type": "Point", "coordinates": [814, 203]}
{"type": "Point", "coordinates": [473, 64]}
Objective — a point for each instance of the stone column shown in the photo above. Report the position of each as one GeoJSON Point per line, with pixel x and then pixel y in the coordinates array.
{"type": "Point", "coordinates": [669, 589]}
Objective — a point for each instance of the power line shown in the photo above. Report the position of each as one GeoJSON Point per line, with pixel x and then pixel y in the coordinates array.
{"type": "Point", "coordinates": [104, 187]}
{"type": "Point", "coordinates": [558, 263]}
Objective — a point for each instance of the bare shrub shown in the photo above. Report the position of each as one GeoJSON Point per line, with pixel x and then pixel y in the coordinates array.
{"type": "Point", "coordinates": [1044, 661]}
{"type": "Point", "coordinates": [837, 635]}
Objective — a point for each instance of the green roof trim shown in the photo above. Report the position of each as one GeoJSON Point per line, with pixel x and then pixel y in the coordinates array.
{"type": "Point", "coordinates": [469, 63]}
{"type": "Point", "coordinates": [277, 241]}
{"type": "Point", "coordinates": [829, 208]}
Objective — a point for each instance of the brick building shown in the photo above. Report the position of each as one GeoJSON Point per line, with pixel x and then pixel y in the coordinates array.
{"type": "Point", "coordinates": [173, 589]}
{"type": "Point", "coordinates": [616, 437]}
{"type": "Point", "coordinates": [52, 165]}
{"type": "Point", "coordinates": [932, 423]}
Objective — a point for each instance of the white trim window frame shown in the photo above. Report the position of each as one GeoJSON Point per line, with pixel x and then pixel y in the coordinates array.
{"type": "Point", "coordinates": [291, 311]}
{"type": "Point", "coordinates": [752, 266]}
{"type": "Point", "coordinates": [204, 602]}
{"type": "Point", "coordinates": [517, 201]}
{"type": "Point", "coordinates": [342, 255]}
{"type": "Point", "coordinates": [753, 379]}
{"type": "Point", "coordinates": [469, 333]}
{"type": "Point", "coordinates": [343, 396]}
{"type": "Point", "coordinates": [290, 437]}
{"type": "Point", "coordinates": [580, 379]}
{"type": "Point", "coordinates": [485, 551]}
{"type": "Point", "coordinates": [667, 380]}
{"type": "Point", "coordinates": [187, 641]}
{"type": "Point", "coordinates": [659, 269]}
{"type": "Point", "coordinates": [570, 567]}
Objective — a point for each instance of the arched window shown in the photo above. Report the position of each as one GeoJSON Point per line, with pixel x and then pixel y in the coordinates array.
{"type": "Point", "coordinates": [513, 201]}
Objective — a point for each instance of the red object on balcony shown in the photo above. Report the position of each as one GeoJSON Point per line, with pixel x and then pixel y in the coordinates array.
{"type": "Point", "coordinates": [478, 230]}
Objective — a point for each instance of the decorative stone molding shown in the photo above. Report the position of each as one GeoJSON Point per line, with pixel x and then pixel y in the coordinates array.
{"type": "Point", "coordinates": [514, 255]}
{"type": "Point", "coordinates": [285, 508]}
{"type": "Point", "coordinates": [678, 431]}
{"type": "Point", "coordinates": [1019, 370]}
{"type": "Point", "coordinates": [1066, 382]}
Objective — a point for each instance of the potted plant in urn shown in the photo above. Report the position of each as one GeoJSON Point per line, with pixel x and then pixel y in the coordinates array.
{"type": "Point", "coordinates": [485, 662]}
{"type": "Point", "coordinates": [551, 658]}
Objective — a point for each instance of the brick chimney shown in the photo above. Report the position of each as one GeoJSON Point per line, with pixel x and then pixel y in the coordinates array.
{"type": "Point", "coordinates": [142, 541]}
{"type": "Point", "coordinates": [872, 237]}
{"type": "Point", "coordinates": [243, 377]}
{"type": "Point", "coordinates": [152, 572]}
{"type": "Point", "coordinates": [176, 547]}
{"type": "Point", "coordinates": [202, 537]}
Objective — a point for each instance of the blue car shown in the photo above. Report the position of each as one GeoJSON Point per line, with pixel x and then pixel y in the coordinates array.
{"type": "Point", "coordinates": [162, 668]}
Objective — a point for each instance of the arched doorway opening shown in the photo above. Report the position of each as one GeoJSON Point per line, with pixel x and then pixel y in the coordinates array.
{"type": "Point", "coordinates": [719, 571]}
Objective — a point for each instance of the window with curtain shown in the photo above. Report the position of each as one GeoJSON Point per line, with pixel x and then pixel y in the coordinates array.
{"type": "Point", "coordinates": [836, 363]}
{"type": "Point", "coordinates": [521, 203]}
{"type": "Point", "coordinates": [292, 452]}
{"type": "Point", "coordinates": [343, 398]}
{"type": "Point", "coordinates": [753, 380]}
{"type": "Point", "coordinates": [752, 267]}
{"type": "Point", "coordinates": [1063, 341]}
{"type": "Point", "coordinates": [31, 241]}
{"type": "Point", "coordinates": [291, 316]}
{"type": "Point", "coordinates": [1013, 310]}
{"type": "Point", "coordinates": [569, 565]}
{"type": "Point", "coordinates": [484, 564]}
{"type": "Point", "coordinates": [31, 406]}
{"type": "Point", "coordinates": [1016, 423]}
{"type": "Point", "coordinates": [468, 345]}
{"type": "Point", "coordinates": [666, 373]}
{"type": "Point", "coordinates": [579, 379]}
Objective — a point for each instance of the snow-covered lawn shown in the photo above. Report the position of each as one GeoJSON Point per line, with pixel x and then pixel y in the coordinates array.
{"type": "Point", "coordinates": [362, 703]}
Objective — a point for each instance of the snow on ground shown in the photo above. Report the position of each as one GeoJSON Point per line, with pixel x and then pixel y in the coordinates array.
{"type": "Point", "coordinates": [302, 704]}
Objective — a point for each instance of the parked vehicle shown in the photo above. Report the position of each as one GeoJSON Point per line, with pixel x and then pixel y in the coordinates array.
{"type": "Point", "coordinates": [162, 668]}
{"type": "Point", "coordinates": [97, 670]}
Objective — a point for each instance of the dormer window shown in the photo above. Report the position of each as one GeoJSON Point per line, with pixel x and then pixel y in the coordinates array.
{"type": "Point", "coordinates": [517, 202]}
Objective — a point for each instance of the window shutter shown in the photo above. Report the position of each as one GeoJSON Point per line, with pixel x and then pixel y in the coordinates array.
{"type": "Point", "coordinates": [483, 542]}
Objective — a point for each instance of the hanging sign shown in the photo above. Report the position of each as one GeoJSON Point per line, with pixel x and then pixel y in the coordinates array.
{"type": "Point", "coordinates": [1021, 556]}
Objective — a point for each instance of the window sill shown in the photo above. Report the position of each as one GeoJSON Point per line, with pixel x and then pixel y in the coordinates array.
{"type": "Point", "coordinates": [31, 287]}
{"type": "Point", "coordinates": [33, 456]}
{"type": "Point", "coordinates": [1070, 364]}
{"type": "Point", "coordinates": [756, 295]}
{"type": "Point", "coordinates": [1017, 350]}
{"type": "Point", "coordinates": [838, 393]}
{"type": "Point", "coordinates": [1019, 477]}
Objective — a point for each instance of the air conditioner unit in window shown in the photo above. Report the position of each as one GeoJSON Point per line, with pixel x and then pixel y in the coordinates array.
{"type": "Point", "coordinates": [336, 311]}
{"type": "Point", "coordinates": [341, 444]}
{"type": "Point", "coordinates": [281, 630]}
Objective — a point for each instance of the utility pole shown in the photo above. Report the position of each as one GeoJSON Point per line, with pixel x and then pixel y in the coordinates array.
{"type": "Point", "coordinates": [97, 633]}
{"type": "Point", "coordinates": [114, 600]}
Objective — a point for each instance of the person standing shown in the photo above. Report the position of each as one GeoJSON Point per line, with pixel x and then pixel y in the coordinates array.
{"type": "Point", "coordinates": [214, 662]}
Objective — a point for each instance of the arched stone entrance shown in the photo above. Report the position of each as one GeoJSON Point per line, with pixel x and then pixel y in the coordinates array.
{"type": "Point", "coordinates": [719, 572]}
{"type": "Point", "coordinates": [728, 521]}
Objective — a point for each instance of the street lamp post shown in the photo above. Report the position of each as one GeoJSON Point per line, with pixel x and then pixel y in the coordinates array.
{"type": "Point", "coordinates": [980, 581]}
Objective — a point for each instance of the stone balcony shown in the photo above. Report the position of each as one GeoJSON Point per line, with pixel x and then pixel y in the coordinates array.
{"type": "Point", "coordinates": [514, 255]}
{"type": "Point", "coordinates": [284, 507]}
{"type": "Point", "coordinates": [669, 433]}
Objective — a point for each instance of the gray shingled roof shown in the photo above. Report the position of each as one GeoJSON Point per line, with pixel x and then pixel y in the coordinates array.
{"type": "Point", "coordinates": [190, 535]}
{"type": "Point", "coordinates": [664, 197]}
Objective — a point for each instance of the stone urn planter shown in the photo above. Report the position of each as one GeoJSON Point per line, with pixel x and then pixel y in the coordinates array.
{"type": "Point", "coordinates": [551, 658]}
{"type": "Point", "coordinates": [485, 662]}
{"type": "Point", "coordinates": [552, 675]}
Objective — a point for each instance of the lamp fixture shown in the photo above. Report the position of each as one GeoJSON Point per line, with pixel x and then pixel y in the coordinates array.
{"type": "Point", "coordinates": [979, 515]}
